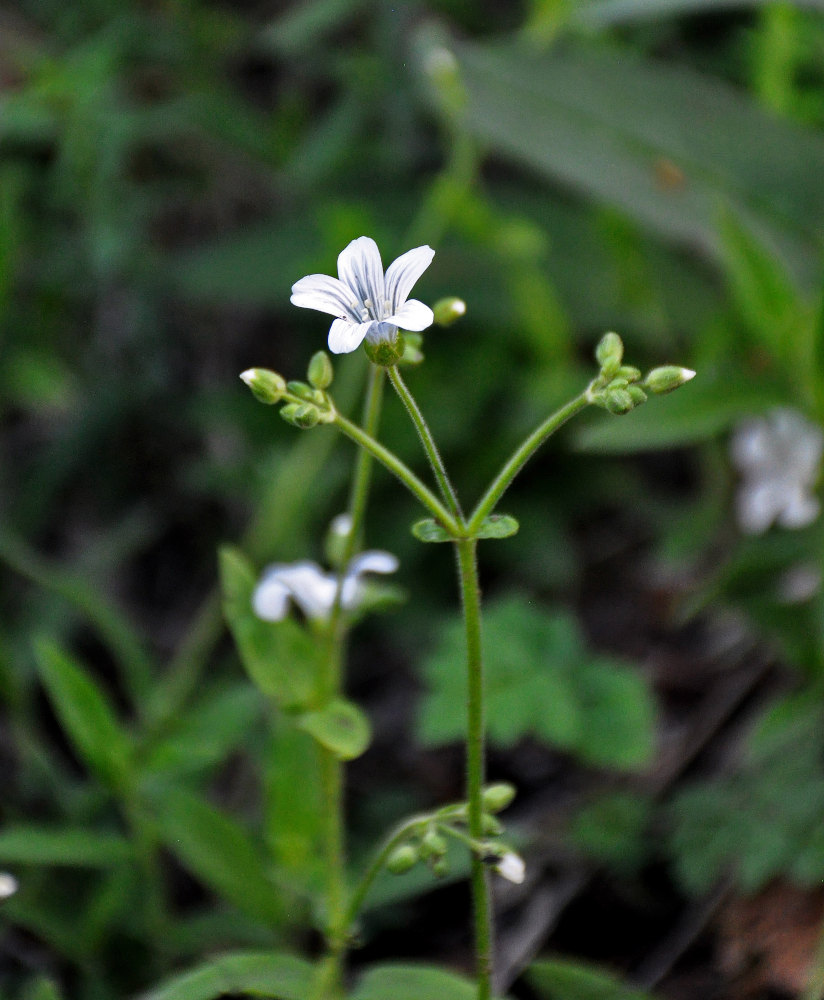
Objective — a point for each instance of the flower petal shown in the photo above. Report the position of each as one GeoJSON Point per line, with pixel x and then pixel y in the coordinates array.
{"type": "Point", "coordinates": [360, 267]}
{"type": "Point", "coordinates": [373, 561]}
{"type": "Point", "coordinates": [310, 588]}
{"type": "Point", "coordinates": [345, 336]}
{"type": "Point", "coordinates": [327, 295]}
{"type": "Point", "coordinates": [402, 274]}
{"type": "Point", "coordinates": [270, 599]}
{"type": "Point", "coordinates": [412, 315]}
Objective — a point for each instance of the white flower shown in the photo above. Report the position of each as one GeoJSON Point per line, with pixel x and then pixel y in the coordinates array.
{"type": "Point", "coordinates": [312, 589]}
{"type": "Point", "coordinates": [367, 303]}
{"type": "Point", "coordinates": [8, 885]}
{"type": "Point", "coordinates": [511, 867]}
{"type": "Point", "coordinates": [778, 456]}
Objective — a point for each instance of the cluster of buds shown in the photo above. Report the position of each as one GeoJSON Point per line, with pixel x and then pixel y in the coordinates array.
{"type": "Point", "coordinates": [426, 839]}
{"type": "Point", "coordinates": [619, 388]}
{"type": "Point", "coordinates": [306, 404]}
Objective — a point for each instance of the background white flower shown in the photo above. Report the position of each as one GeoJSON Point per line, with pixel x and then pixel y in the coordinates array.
{"type": "Point", "coordinates": [8, 885]}
{"type": "Point", "coordinates": [779, 456]}
{"type": "Point", "coordinates": [312, 589]}
{"type": "Point", "coordinates": [367, 303]}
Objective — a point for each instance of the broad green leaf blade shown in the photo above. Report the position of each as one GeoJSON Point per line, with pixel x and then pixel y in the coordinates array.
{"type": "Point", "coordinates": [218, 850]}
{"type": "Point", "coordinates": [86, 715]}
{"type": "Point", "coordinates": [27, 844]}
{"type": "Point", "coordinates": [562, 979]}
{"type": "Point", "coordinates": [428, 530]}
{"type": "Point", "coordinates": [280, 658]}
{"type": "Point", "coordinates": [412, 982]}
{"type": "Point", "coordinates": [667, 146]}
{"type": "Point", "coordinates": [498, 526]}
{"type": "Point", "coordinates": [264, 974]}
{"type": "Point", "coordinates": [207, 732]}
{"type": "Point", "coordinates": [340, 727]}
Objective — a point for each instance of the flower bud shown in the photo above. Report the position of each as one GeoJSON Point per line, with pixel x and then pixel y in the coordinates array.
{"type": "Point", "coordinates": [491, 826]}
{"type": "Point", "coordinates": [433, 845]}
{"type": "Point", "coordinates": [661, 380]}
{"type": "Point", "coordinates": [337, 539]}
{"type": "Point", "coordinates": [412, 353]}
{"type": "Point", "coordinates": [448, 310]}
{"type": "Point", "coordinates": [618, 401]}
{"type": "Point", "coordinates": [402, 859]}
{"type": "Point", "coordinates": [301, 390]}
{"type": "Point", "coordinates": [8, 885]}
{"type": "Point", "coordinates": [497, 797]}
{"type": "Point", "coordinates": [609, 353]}
{"type": "Point", "coordinates": [637, 394]}
{"type": "Point", "coordinates": [267, 386]}
{"type": "Point", "coordinates": [511, 867]}
{"type": "Point", "coordinates": [302, 415]}
{"type": "Point", "coordinates": [320, 373]}
{"type": "Point", "coordinates": [630, 373]}
{"type": "Point", "coordinates": [440, 868]}
{"type": "Point", "coordinates": [385, 353]}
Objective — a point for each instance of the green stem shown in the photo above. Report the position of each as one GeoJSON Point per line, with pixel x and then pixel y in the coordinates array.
{"type": "Point", "coordinates": [520, 457]}
{"type": "Point", "coordinates": [475, 756]}
{"type": "Point", "coordinates": [402, 472]}
{"type": "Point", "coordinates": [329, 980]}
{"type": "Point", "coordinates": [428, 442]}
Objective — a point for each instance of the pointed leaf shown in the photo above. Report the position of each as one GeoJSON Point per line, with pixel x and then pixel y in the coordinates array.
{"type": "Point", "coordinates": [264, 974]}
{"type": "Point", "coordinates": [340, 727]}
{"type": "Point", "coordinates": [412, 982]}
{"type": "Point", "coordinates": [87, 717]}
{"type": "Point", "coordinates": [562, 979]}
{"type": "Point", "coordinates": [218, 850]}
{"type": "Point", "coordinates": [27, 844]}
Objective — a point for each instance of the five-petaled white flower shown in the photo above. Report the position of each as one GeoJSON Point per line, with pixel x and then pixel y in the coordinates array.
{"type": "Point", "coordinates": [367, 303]}
{"type": "Point", "coordinates": [779, 457]}
{"type": "Point", "coordinates": [312, 589]}
{"type": "Point", "coordinates": [511, 867]}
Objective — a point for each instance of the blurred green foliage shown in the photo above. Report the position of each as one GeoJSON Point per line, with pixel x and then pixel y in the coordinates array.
{"type": "Point", "coordinates": [167, 170]}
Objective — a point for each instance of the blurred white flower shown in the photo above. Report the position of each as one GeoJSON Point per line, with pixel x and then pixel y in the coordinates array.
{"type": "Point", "coordinates": [511, 867]}
{"type": "Point", "coordinates": [8, 885]}
{"type": "Point", "coordinates": [778, 457]}
{"type": "Point", "coordinates": [367, 303]}
{"type": "Point", "coordinates": [312, 589]}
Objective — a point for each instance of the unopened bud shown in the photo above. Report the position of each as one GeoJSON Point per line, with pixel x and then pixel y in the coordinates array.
{"type": "Point", "coordinates": [630, 373]}
{"type": "Point", "coordinates": [498, 797]}
{"type": "Point", "coordinates": [661, 380]}
{"type": "Point", "coordinates": [618, 401]}
{"type": "Point", "coordinates": [440, 868]}
{"type": "Point", "coordinates": [337, 539]}
{"type": "Point", "coordinates": [637, 394]}
{"type": "Point", "coordinates": [492, 827]}
{"type": "Point", "coordinates": [402, 859]}
{"type": "Point", "coordinates": [302, 415]}
{"type": "Point", "coordinates": [609, 353]}
{"type": "Point", "coordinates": [412, 353]}
{"type": "Point", "coordinates": [301, 390]}
{"type": "Point", "coordinates": [433, 845]}
{"type": "Point", "coordinates": [8, 885]}
{"type": "Point", "coordinates": [267, 386]}
{"type": "Point", "coordinates": [320, 373]}
{"type": "Point", "coordinates": [448, 310]}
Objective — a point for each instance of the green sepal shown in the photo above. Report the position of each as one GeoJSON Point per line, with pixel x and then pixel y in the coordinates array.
{"type": "Point", "coordinates": [340, 727]}
{"type": "Point", "coordinates": [428, 530]}
{"type": "Point", "coordinates": [497, 526]}
{"type": "Point", "coordinates": [384, 353]}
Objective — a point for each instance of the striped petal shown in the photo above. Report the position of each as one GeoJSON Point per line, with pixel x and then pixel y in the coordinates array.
{"type": "Point", "coordinates": [327, 295]}
{"type": "Point", "coordinates": [412, 315]}
{"type": "Point", "coordinates": [402, 274]}
{"type": "Point", "coordinates": [360, 267]}
{"type": "Point", "coordinates": [345, 336]}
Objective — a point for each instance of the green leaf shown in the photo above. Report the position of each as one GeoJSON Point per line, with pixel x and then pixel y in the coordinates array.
{"type": "Point", "coordinates": [412, 982]}
{"type": "Point", "coordinates": [498, 526]}
{"type": "Point", "coordinates": [541, 681]}
{"type": "Point", "coordinates": [340, 727]}
{"type": "Point", "coordinates": [428, 530]}
{"type": "Point", "coordinates": [652, 140]}
{"type": "Point", "coordinates": [218, 850]}
{"type": "Point", "coordinates": [40, 989]}
{"type": "Point", "coordinates": [280, 657]}
{"type": "Point", "coordinates": [207, 732]}
{"type": "Point", "coordinates": [265, 974]}
{"type": "Point", "coordinates": [26, 844]}
{"type": "Point", "coordinates": [562, 979]}
{"type": "Point", "coordinates": [613, 13]}
{"type": "Point", "coordinates": [86, 715]}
